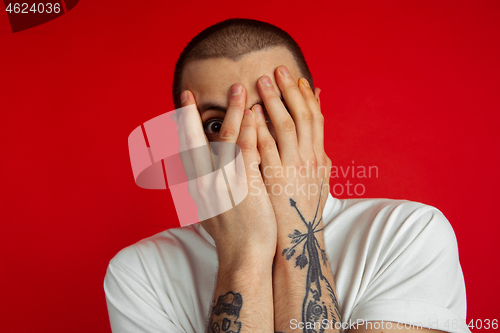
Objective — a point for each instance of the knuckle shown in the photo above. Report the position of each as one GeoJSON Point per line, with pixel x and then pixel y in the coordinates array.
{"type": "Point", "coordinates": [267, 144]}
{"type": "Point", "coordinates": [322, 159]}
{"type": "Point", "coordinates": [291, 84]}
{"type": "Point", "coordinates": [245, 146]}
{"type": "Point", "coordinates": [306, 115]}
{"type": "Point", "coordinates": [313, 160]}
{"type": "Point", "coordinates": [202, 184]}
{"type": "Point", "coordinates": [191, 141]}
{"type": "Point", "coordinates": [310, 161]}
{"type": "Point", "coordinates": [236, 104]}
{"type": "Point", "coordinates": [319, 118]}
{"type": "Point", "coordinates": [288, 125]}
{"type": "Point", "coordinates": [210, 187]}
{"type": "Point", "coordinates": [227, 132]}
{"type": "Point", "coordinates": [298, 164]}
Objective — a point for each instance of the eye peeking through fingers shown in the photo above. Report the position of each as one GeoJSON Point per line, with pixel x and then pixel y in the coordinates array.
{"type": "Point", "coordinates": [213, 125]}
{"type": "Point", "coordinates": [212, 128]}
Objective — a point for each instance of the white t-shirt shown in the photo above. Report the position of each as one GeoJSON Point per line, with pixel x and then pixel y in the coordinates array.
{"type": "Point", "coordinates": [392, 260]}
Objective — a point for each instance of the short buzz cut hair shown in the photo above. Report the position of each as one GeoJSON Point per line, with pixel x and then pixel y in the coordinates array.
{"type": "Point", "coordinates": [232, 39]}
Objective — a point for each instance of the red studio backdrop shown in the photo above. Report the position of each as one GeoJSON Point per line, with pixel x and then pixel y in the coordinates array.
{"type": "Point", "coordinates": [411, 87]}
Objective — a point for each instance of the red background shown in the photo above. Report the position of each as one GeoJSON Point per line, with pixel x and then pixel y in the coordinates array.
{"type": "Point", "coordinates": [409, 86]}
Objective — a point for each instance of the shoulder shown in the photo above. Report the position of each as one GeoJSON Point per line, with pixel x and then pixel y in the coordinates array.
{"type": "Point", "coordinates": [172, 249]}
{"type": "Point", "coordinates": [385, 231]}
{"type": "Point", "coordinates": [153, 285]}
{"type": "Point", "coordinates": [397, 255]}
{"type": "Point", "coordinates": [391, 219]}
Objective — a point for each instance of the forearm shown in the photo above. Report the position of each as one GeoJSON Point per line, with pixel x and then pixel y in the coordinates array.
{"type": "Point", "coordinates": [303, 286]}
{"type": "Point", "coordinates": [243, 298]}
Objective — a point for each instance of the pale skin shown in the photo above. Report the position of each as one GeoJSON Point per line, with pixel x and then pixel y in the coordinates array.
{"type": "Point", "coordinates": [252, 239]}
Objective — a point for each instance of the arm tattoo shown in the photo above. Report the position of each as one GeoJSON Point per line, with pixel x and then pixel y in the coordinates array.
{"type": "Point", "coordinates": [314, 309]}
{"type": "Point", "coordinates": [225, 314]}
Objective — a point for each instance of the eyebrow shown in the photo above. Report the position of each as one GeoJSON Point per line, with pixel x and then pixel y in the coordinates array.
{"type": "Point", "coordinates": [217, 107]}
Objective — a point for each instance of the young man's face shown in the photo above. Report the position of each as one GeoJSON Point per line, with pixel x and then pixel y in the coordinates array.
{"type": "Point", "coordinates": [210, 79]}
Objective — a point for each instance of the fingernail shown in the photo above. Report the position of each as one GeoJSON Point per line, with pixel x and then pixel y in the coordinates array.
{"type": "Point", "coordinates": [258, 109]}
{"type": "Point", "coordinates": [304, 82]}
{"type": "Point", "coordinates": [284, 71]}
{"type": "Point", "coordinates": [184, 96]}
{"type": "Point", "coordinates": [266, 81]}
{"type": "Point", "coordinates": [236, 89]}
{"type": "Point", "coordinates": [247, 113]}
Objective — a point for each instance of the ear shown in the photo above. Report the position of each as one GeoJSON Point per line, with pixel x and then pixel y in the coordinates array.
{"type": "Point", "coordinates": [316, 95]}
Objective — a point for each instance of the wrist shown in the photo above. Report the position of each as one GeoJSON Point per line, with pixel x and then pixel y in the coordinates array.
{"type": "Point", "coordinates": [245, 257]}
{"type": "Point", "coordinates": [245, 272]}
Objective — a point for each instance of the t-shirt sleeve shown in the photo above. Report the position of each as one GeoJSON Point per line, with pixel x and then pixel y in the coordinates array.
{"type": "Point", "coordinates": [418, 279]}
{"type": "Point", "coordinates": [133, 306]}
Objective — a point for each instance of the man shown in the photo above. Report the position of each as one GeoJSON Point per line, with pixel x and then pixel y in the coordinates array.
{"type": "Point", "coordinates": [285, 259]}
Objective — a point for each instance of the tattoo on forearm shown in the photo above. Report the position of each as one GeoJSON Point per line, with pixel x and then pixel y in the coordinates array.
{"type": "Point", "coordinates": [225, 314]}
{"type": "Point", "coordinates": [314, 309]}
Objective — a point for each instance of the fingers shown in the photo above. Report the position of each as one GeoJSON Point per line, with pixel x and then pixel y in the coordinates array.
{"type": "Point", "coordinates": [298, 108]}
{"type": "Point", "coordinates": [270, 158]}
{"type": "Point", "coordinates": [247, 141]}
{"type": "Point", "coordinates": [282, 121]}
{"type": "Point", "coordinates": [192, 137]}
{"type": "Point", "coordinates": [318, 120]}
{"type": "Point", "coordinates": [184, 154]}
{"type": "Point", "coordinates": [230, 129]}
